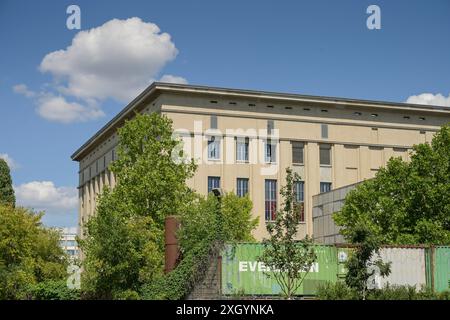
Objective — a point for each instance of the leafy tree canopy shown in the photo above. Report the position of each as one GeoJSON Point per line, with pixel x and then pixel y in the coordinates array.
{"type": "Point", "coordinates": [124, 243]}
{"type": "Point", "coordinates": [6, 189]}
{"type": "Point", "coordinates": [407, 202]}
{"type": "Point", "coordinates": [29, 253]}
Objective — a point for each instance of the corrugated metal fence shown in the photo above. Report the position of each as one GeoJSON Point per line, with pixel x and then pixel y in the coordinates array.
{"type": "Point", "coordinates": [418, 266]}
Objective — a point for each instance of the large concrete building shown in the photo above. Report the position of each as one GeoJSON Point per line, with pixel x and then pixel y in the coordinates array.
{"type": "Point", "coordinates": [243, 140]}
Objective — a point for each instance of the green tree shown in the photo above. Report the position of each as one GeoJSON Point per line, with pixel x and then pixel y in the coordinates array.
{"type": "Point", "coordinates": [363, 262]}
{"type": "Point", "coordinates": [204, 226]}
{"type": "Point", "coordinates": [6, 190]}
{"type": "Point", "coordinates": [238, 221]}
{"type": "Point", "coordinates": [407, 202]}
{"type": "Point", "coordinates": [29, 253]}
{"type": "Point", "coordinates": [289, 260]}
{"type": "Point", "coordinates": [123, 242]}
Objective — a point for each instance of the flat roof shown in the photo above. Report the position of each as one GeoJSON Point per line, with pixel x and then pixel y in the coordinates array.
{"type": "Point", "coordinates": [158, 87]}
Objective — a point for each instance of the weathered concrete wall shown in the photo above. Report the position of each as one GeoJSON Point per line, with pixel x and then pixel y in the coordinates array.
{"type": "Point", "coordinates": [209, 288]}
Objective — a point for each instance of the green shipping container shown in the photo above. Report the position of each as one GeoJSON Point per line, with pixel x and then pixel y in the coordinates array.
{"type": "Point", "coordinates": [242, 273]}
{"type": "Point", "coordinates": [442, 269]}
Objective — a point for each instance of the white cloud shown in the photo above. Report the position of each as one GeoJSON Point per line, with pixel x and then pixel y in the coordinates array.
{"type": "Point", "coordinates": [116, 60]}
{"type": "Point", "coordinates": [23, 89]}
{"type": "Point", "coordinates": [12, 164]}
{"type": "Point", "coordinates": [173, 79]}
{"type": "Point", "coordinates": [57, 108]}
{"type": "Point", "coordinates": [44, 195]}
{"type": "Point", "coordinates": [430, 99]}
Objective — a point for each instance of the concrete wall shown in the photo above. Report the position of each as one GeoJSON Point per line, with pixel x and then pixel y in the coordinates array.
{"type": "Point", "coordinates": [324, 205]}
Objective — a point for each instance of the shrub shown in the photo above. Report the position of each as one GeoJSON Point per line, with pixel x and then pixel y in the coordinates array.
{"type": "Point", "coordinates": [340, 291]}
{"type": "Point", "coordinates": [335, 291]}
{"type": "Point", "coordinates": [52, 290]}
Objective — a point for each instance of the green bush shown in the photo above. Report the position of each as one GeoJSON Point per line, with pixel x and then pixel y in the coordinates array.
{"type": "Point", "coordinates": [52, 290]}
{"type": "Point", "coordinates": [340, 291]}
{"type": "Point", "coordinates": [335, 291]}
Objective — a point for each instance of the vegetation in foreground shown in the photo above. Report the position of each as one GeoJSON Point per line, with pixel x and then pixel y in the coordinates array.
{"type": "Point", "coordinates": [340, 291]}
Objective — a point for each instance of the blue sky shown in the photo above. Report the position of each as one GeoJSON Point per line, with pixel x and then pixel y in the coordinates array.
{"type": "Point", "coordinates": [309, 47]}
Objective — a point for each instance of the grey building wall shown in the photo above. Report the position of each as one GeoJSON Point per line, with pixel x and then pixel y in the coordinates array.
{"type": "Point", "coordinates": [324, 205]}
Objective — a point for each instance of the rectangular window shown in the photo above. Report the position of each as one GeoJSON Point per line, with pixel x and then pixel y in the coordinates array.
{"type": "Point", "coordinates": [325, 187]}
{"type": "Point", "coordinates": [324, 129]}
{"type": "Point", "coordinates": [213, 122]}
{"type": "Point", "coordinates": [270, 199]}
{"type": "Point", "coordinates": [299, 191]}
{"type": "Point", "coordinates": [242, 149]}
{"type": "Point", "coordinates": [325, 154]}
{"type": "Point", "coordinates": [242, 187]}
{"type": "Point", "coordinates": [213, 148]}
{"type": "Point", "coordinates": [270, 151]}
{"type": "Point", "coordinates": [270, 126]}
{"type": "Point", "coordinates": [297, 152]}
{"type": "Point", "coordinates": [213, 183]}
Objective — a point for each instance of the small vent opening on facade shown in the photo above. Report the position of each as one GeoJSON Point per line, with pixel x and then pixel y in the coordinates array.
{"type": "Point", "coordinates": [288, 108]}
{"type": "Point", "coordinates": [374, 115]}
{"type": "Point", "coordinates": [213, 101]}
{"type": "Point", "coordinates": [269, 106]}
{"type": "Point", "coordinates": [357, 113]}
{"type": "Point", "coordinates": [324, 110]}
{"type": "Point", "coordinates": [251, 104]}
{"type": "Point", "coordinates": [231, 102]}
{"type": "Point", "coordinates": [406, 117]}
{"type": "Point", "coordinates": [306, 109]}
{"type": "Point", "coordinates": [422, 118]}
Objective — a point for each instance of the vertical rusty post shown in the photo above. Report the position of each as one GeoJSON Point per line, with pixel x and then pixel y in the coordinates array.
{"type": "Point", "coordinates": [171, 225]}
{"type": "Point", "coordinates": [219, 267]}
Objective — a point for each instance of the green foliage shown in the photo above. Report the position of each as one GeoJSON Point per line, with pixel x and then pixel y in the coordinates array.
{"type": "Point", "coordinates": [237, 217]}
{"type": "Point", "coordinates": [406, 203]}
{"type": "Point", "coordinates": [121, 252]}
{"type": "Point", "coordinates": [6, 189]}
{"type": "Point", "coordinates": [361, 264]}
{"type": "Point", "coordinates": [123, 242]}
{"type": "Point", "coordinates": [340, 291]}
{"type": "Point", "coordinates": [29, 253]}
{"type": "Point", "coordinates": [335, 291]}
{"type": "Point", "coordinates": [290, 258]}
{"type": "Point", "coordinates": [205, 225]}
{"type": "Point", "coordinates": [52, 290]}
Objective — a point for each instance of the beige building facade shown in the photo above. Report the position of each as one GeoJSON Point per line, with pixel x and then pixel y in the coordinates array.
{"type": "Point", "coordinates": [244, 140]}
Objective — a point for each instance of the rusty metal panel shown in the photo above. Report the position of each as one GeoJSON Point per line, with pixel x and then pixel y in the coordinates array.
{"type": "Point", "coordinates": [243, 274]}
{"type": "Point", "coordinates": [408, 267]}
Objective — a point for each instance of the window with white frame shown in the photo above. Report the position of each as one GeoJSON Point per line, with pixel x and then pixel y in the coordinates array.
{"type": "Point", "coordinates": [270, 199]}
{"type": "Point", "coordinates": [242, 145]}
{"type": "Point", "coordinates": [213, 148]}
{"type": "Point", "coordinates": [325, 187]}
{"type": "Point", "coordinates": [270, 151]}
{"type": "Point", "coordinates": [213, 183]}
{"type": "Point", "coordinates": [299, 192]}
{"type": "Point", "coordinates": [242, 187]}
